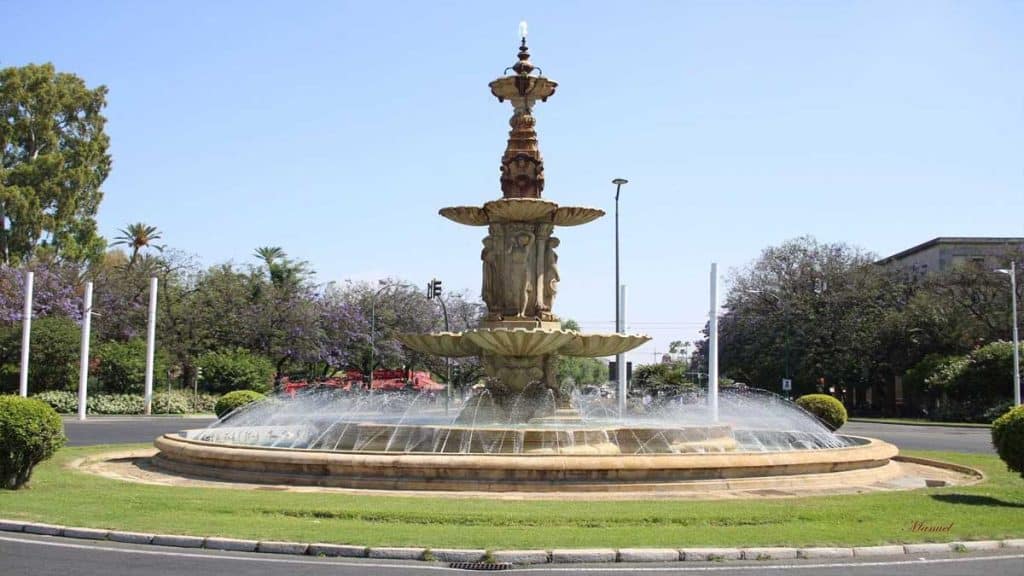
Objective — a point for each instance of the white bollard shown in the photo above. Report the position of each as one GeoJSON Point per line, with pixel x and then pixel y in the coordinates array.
{"type": "Point", "coordinates": [620, 359]}
{"type": "Point", "coordinates": [26, 334]}
{"type": "Point", "coordinates": [713, 346]}
{"type": "Point", "coordinates": [83, 371]}
{"type": "Point", "coordinates": [147, 400]}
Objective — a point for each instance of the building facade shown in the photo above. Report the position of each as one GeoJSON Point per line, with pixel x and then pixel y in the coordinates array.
{"type": "Point", "coordinates": [940, 255]}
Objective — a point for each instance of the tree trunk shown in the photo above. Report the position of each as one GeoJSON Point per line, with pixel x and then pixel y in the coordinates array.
{"type": "Point", "coordinates": [3, 236]}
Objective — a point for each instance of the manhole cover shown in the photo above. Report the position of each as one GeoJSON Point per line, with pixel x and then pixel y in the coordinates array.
{"type": "Point", "coordinates": [481, 565]}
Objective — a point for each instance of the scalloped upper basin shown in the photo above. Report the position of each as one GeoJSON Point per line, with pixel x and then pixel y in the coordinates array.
{"type": "Point", "coordinates": [522, 342]}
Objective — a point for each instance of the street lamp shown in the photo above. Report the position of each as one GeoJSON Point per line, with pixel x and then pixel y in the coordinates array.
{"type": "Point", "coordinates": [618, 188]}
{"type": "Point", "coordinates": [1012, 273]}
{"type": "Point", "coordinates": [785, 319]}
{"type": "Point", "coordinates": [620, 359]}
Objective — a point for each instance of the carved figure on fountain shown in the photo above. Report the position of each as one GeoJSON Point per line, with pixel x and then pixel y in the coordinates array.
{"type": "Point", "coordinates": [521, 272]}
{"type": "Point", "coordinates": [550, 280]}
{"type": "Point", "coordinates": [490, 291]}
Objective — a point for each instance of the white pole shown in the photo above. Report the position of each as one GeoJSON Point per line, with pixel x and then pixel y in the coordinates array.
{"type": "Point", "coordinates": [83, 371]}
{"type": "Point", "coordinates": [26, 331]}
{"type": "Point", "coordinates": [620, 359]}
{"type": "Point", "coordinates": [713, 346]}
{"type": "Point", "coordinates": [147, 400]}
{"type": "Point", "coordinates": [1016, 337]}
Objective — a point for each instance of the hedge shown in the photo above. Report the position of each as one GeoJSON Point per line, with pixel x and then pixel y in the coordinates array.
{"type": "Point", "coordinates": [178, 402]}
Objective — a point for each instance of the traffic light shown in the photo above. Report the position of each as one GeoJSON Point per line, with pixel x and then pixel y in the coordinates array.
{"type": "Point", "coordinates": [434, 288]}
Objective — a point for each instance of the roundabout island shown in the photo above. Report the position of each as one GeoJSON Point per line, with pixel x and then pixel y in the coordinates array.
{"type": "Point", "coordinates": [525, 432]}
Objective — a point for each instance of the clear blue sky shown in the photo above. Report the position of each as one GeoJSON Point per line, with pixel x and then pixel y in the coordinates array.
{"type": "Point", "coordinates": [336, 130]}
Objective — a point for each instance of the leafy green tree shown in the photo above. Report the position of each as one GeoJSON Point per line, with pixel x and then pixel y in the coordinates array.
{"type": "Point", "coordinates": [55, 346]}
{"type": "Point", "coordinates": [825, 303]}
{"type": "Point", "coordinates": [579, 371]}
{"type": "Point", "coordinates": [121, 366]}
{"type": "Point", "coordinates": [237, 369]}
{"type": "Point", "coordinates": [663, 375]}
{"type": "Point", "coordinates": [53, 160]}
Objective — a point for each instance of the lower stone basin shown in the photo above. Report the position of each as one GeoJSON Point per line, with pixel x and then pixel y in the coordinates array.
{"type": "Point", "coordinates": [492, 440]}
{"type": "Point", "coordinates": [534, 472]}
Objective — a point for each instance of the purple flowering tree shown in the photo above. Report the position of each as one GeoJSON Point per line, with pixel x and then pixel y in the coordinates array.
{"type": "Point", "coordinates": [54, 293]}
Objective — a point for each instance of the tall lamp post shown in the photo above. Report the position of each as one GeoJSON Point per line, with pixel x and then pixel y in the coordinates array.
{"type": "Point", "coordinates": [1012, 272]}
{"type": "Point", "coordinates": [618, 188]}
{"type": "Point", "coordinates": [620, 359]}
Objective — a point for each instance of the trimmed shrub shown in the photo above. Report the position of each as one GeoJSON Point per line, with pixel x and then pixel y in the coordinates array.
{"type": "Point", "coordinates": [1008, 438]}
{"type": "Point", "coordinates": [227, 370]}
{"type": "Point", "coordinates": [234, 400]}
{"type": "Point", "coordinates": [830, 411]}
{"type": "Point", "coordinates": [30, 432]}
{"type": "Point", "coordinates": [121, 366]}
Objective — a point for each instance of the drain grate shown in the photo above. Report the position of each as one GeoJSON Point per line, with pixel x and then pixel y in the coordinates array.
{"type": "Point", "coordinates": [481, 565]}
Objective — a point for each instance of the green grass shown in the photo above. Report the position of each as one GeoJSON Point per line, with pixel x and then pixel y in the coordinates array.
{"type": "Point", "coordinates": [921, 422]}
{"type": "Point", "coordinates": [993, 509]}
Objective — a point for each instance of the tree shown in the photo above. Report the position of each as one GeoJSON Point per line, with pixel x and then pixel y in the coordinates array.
{"type": "Point", "coordinates": [138, 236]}
{"type": "Point", "coordinates": [53, 160]}
{"type": "Point", "coordinates": [269, 254]}
{"type": "Point", "coordinates": [826, 303]}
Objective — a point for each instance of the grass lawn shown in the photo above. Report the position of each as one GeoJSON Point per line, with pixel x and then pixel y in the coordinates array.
{"type": "Point", "coordinates": [991, 510]}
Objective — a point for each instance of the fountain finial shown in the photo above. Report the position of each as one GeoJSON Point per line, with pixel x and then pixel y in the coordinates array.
{"type": "Point", "coordinates": [524, 66]}
{"type": "Point", "coordinates": [522, 168]}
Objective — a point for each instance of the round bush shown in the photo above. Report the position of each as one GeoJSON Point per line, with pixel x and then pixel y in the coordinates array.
{"type": "Point", "coordinates": [1008, 438]}
{"type": "Point", "coordinates": [234, 400]}
{"type": "Point", "coordinates": [30, 432]}
{"type": "Point", "coordinates": [827, 409]}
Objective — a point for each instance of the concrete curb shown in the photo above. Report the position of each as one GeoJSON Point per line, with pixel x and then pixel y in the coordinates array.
{"type": "Point", "coordinates": [518, 557]}
{"type": "Point", "coordinates": [933, 424]}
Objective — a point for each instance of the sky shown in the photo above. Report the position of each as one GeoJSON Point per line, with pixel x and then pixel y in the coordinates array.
{"type": "Point", "coordinates": [338, 129]}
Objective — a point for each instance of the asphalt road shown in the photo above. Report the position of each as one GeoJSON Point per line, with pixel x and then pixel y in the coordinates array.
{"type": "Point", "coordinates": [127, 429]}
{"type": "Point", "coordinates": [136, 429]}
{"type": "Point", "coordinates": [949, 438]}
{"type": "Point", "coordinates": [31, 555]}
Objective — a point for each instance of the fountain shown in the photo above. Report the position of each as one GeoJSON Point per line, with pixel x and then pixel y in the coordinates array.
{"type": "Point", "coordinates": [525, 432]}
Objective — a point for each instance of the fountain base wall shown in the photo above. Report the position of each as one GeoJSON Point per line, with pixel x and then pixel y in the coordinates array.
{"type": "Point", "coordinates": [504, 473]}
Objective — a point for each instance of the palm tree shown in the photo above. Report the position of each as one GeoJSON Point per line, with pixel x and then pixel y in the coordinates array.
{"type": "Point", "coordinates": [138, 236]}
{"type": "Point", "coordinates": [283, 271]}
{"type": "Point", "coordinates": [269, 254]}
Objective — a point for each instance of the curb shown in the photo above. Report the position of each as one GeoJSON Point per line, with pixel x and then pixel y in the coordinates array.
{"type": "Point", "coordinates": [519, 557]}
{"type": "Point", "coordinates": [977, 426]}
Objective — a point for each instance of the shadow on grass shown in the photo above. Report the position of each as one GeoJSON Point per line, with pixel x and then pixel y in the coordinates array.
{"type": "Point", "coordinates": [974, 500]}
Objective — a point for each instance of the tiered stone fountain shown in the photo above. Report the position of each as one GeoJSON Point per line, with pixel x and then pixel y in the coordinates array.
{"type": "Point", "coordinates": [521, 337]}
{"type": "Point", "coordinates": [520, 434]}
